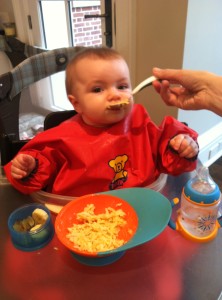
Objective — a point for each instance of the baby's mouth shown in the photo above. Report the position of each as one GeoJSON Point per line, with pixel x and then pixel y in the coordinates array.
{"type": "Point", "coordinates": [115, 105]}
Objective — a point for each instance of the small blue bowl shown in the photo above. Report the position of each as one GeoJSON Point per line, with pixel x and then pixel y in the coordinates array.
{"type": "Point", "coordinates": [30, 241]}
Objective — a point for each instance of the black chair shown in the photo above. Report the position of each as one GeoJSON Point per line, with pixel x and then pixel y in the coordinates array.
{"type": "Point", "coordinates": [55, 118]}
{"type": "Point", "coordinates": [10, 145]}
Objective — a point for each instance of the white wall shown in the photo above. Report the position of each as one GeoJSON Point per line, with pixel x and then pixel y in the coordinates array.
{"type": "Point", "coordinates": [203, 51]}
{"type": "Point", "coordinates": [160, 32]}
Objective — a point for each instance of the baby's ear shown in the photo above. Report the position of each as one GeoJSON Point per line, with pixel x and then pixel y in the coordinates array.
{"type": "Point", "coordinates": [75, 103]}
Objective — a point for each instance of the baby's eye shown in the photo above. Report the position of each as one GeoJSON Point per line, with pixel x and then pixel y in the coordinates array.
{"type": "Point", "coordinates": [97, 90]}
{"type": "Point", "coordinates": [123, 87]}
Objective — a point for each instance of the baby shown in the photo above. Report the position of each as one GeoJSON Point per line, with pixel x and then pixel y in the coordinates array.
{"type": "Point", "coordinates": [111, 143]}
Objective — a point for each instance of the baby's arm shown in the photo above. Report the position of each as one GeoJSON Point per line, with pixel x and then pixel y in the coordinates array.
{"type": "Point", "coordinates": [184, 145]}
{"type": "Point", "coordinates": [22, 166]}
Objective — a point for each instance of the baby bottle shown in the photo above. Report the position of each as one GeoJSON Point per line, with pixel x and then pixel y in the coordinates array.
{"type": "Point", "coordinates": [200, 202]}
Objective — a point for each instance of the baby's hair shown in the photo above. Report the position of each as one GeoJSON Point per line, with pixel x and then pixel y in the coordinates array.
{"type": "Point", "coordinates": [93, 52]}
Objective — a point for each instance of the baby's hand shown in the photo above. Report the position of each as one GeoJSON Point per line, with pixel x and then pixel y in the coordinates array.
{"type": "Point", "coordinates": [22, 166]}
{"type": "Point", "coordinates": [184, 145]}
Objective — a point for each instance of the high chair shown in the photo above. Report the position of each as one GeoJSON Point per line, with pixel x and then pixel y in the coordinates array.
{"type": "Point", "coordinates": [12, 83]}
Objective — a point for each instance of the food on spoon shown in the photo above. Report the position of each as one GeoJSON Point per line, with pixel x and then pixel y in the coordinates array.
{"type": "Point", "coordinates": [118, 104]}
{"type": "Point", "coordinates": [31, 223]}
{"type": "Point", "coordinates": [97, 232]}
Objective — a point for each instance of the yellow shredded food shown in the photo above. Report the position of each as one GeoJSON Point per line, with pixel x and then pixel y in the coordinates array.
{"type": "Point", "coordinates": [97, 232]}
{"type": "Point", "coordinates": [119, 103]}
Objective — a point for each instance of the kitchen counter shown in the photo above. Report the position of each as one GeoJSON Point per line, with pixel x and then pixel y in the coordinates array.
{"type": "Point", "coordinates": [167, 268]}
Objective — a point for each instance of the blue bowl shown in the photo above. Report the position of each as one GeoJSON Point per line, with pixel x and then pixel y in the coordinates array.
{"type": "Point", "coordinates": [30, 241]}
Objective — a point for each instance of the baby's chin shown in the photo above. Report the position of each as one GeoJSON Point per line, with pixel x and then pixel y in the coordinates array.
{"type": "Point", "coordinates": [111, 117]}
{"type": "Point", "coordinates": [106, 124]}
{"type": "Point", "coordinates": [117, 117]}
{"type": "Point", "coordinates": [98, 123]}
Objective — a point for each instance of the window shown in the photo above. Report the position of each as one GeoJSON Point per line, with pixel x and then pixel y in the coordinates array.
{"type": "Point", "coordinates": [72, 29]}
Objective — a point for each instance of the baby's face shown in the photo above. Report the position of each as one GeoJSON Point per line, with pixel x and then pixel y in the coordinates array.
{"type": "Point", "coordinates": [100, 87]}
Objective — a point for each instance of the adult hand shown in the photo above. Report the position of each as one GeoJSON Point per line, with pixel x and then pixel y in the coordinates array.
{"type": "Point", "coordinates": [189, 90]}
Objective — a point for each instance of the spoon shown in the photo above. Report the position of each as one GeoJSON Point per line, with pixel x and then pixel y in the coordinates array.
{"type": "Point", "coordinates": [144, 84]}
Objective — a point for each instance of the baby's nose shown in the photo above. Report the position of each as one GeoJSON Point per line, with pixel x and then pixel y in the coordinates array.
{"type": "Point", "coordinates": [114, 94]}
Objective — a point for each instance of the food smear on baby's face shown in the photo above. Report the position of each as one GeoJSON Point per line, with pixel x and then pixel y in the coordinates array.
{"type": "Point", "coordinates": [118, 104]}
